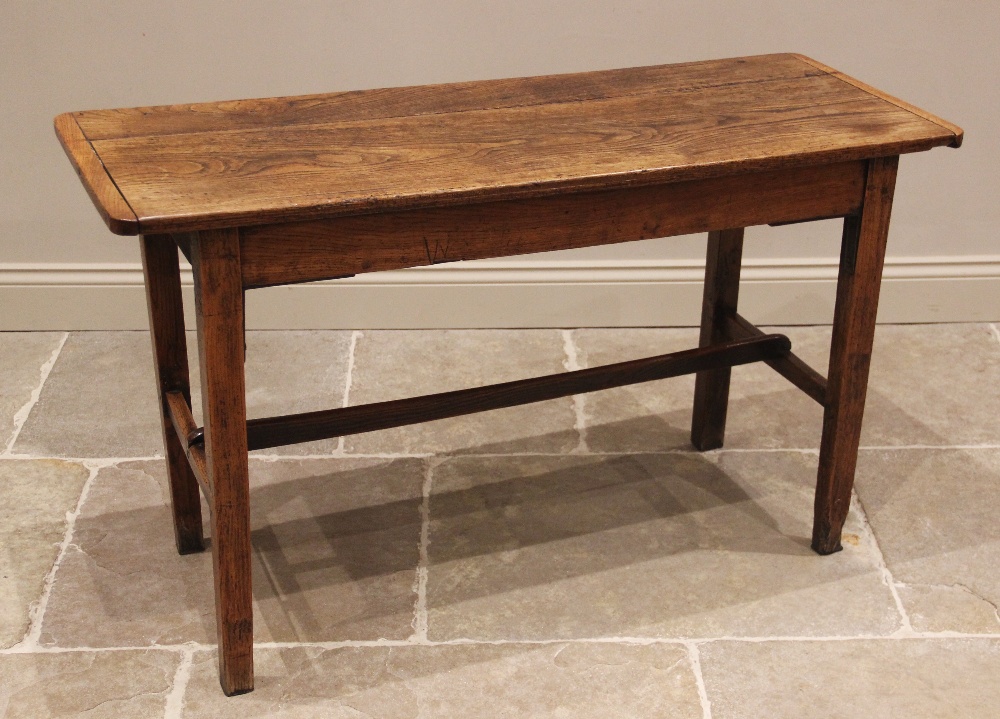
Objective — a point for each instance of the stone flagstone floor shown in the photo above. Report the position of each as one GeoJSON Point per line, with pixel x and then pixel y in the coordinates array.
{"type": "Point", "coordinates": [574, 558]}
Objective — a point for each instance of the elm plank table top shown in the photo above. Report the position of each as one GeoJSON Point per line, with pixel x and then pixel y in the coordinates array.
{"type": "Point", "coordinates": [234, 164]}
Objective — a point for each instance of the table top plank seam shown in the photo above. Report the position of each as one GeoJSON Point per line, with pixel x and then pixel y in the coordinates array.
{"type": "Point", "coordinates": [875, 92]}
{"type": "Point", "coordinates": [98, 181]}
{"type": "Point", "coordinates": [403, 121]}
{"type": "Point", "coordinates": [362, 122]}
{"type": "Point", "coordinates": [85, 116]}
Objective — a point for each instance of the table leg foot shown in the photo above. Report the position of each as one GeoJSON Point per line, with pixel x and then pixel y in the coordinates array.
{"type": "Point", "coordinates": [722, 287]}
{"type": "Point", "coordinates": [826, 540]}
{"type": "Point", "coordinates": [861, 259]}
{"type": "Point", "coordinates": [234, 614]}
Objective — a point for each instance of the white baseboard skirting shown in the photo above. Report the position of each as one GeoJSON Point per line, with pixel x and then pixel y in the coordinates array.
{"type": "Point", "coordinates": [506, 293]}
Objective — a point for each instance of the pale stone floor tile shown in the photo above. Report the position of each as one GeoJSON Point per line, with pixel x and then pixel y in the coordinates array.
{"type": "Point", "coordinates": [603, 681]}
{"type": "Point", "coordinates": [876, 679]}
{"type": "Point", "coordinates": [398, 364]}
{"type": "Point", "coordinates": [100, 398]}
{"type": "Point", "coordinates": [934, 513]}
{"type": "Point", "coordinates": [671, 546]}
{"type": "Point", "coordinates": [22, 355]}
{"type": "Point", "coordinates": [35, 495]}
{"type": "Point", "coordinates": [98, 401]}
{"type": "Point", "coordinates": [335, 552]}
{"type": "Point", "coordinates": [111, 685]}
{"type": "Point", "coordinates": [933, 385]}
{"type": "Point", "coordinates": [290, 372]}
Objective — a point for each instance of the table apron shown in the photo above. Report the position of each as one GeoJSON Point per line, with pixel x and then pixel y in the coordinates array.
{"type": "Point", "coordinates": [344, 246]}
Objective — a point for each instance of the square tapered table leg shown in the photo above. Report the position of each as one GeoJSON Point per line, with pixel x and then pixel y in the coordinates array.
{"type": "Point", "coordinates": [861, 258]}
{"type": "Point", "coordinates": [170, 362]}
{"type": "Point", "coordinates": [215, 257]}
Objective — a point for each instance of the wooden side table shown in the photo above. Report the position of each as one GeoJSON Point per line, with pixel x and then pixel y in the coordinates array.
{"type": "Point", "coordinates": [266, 192]}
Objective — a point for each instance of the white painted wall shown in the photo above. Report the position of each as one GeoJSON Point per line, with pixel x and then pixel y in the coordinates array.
{"type": "Point", "coordinates": [59, 267]}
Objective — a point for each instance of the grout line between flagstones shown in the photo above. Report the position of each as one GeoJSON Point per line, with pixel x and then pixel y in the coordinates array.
{"type": "Point", "coordinates": [459, 455]}
{"type": "Point", "coordinates": [174, 706]}
{"type": "Point", "coordinates": [426, 455]}
{"type": "Point", "coordinates": [349, 379]}
{"type": "Point", "coordinates": [21, 416]}
{"type": "Point", "coordinates": [423, 561]}
{"type": "Point", "coordinates": [891, 447]}
{"type": "Point", "coordinates": [36, 614]}
{"type": "Point", "coordinates": [694, 658]}
{"type": "Point", "coordinates": [572, 364]}
{"type": "Point", "coordinates": [195, 647]}
{"type": "Point", "coordinates": [104, 461]}
{"type": "Point", "coordinates": [875, 549]}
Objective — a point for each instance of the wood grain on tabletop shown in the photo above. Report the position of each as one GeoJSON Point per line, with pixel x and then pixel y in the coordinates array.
{"type": "Point", "coordinates": [251, 162]}
{"type": "Point", "coordinates": [113, 208]}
